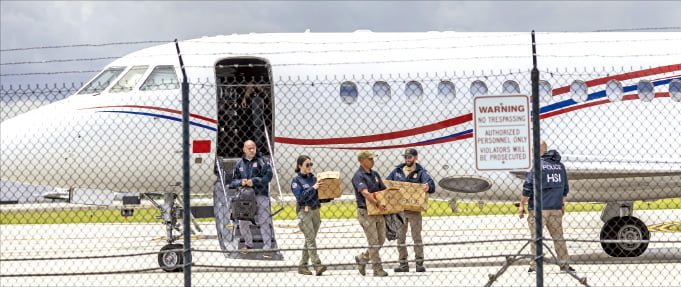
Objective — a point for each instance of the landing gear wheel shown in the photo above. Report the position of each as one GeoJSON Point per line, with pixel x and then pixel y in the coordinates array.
{"type": "Point", "coordinates": [625, 228]}
{"type": "Point", "coordinates": [171, 261]}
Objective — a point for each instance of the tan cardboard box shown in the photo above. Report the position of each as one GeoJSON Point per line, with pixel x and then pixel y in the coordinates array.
{"type": "Point", "coordinates": [391, 197]}
{"type": "Point", "coordinates": [414, 198]}
{"type": "Point", "coordinates": [331, 185]}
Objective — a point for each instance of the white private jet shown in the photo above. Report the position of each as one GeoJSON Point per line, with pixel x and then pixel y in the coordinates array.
{"type": "Point", "coordinates": [331, 94]}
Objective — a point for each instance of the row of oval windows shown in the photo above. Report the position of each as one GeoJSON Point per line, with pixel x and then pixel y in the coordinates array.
{"type": "Point", "coordinates": [446, 90]}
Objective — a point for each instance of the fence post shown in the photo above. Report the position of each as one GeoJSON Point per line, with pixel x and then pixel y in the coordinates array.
{"type": "Point", "coordinates": [186, 217]}
{"type": "Point", "coordinates": [536, 166]}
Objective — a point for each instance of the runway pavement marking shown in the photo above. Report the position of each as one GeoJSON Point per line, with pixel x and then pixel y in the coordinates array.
{"type": "Point", "coordinates": [664, 227]}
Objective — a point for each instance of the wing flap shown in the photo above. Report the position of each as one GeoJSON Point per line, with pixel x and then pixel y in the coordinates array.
{"type": "Point", "coordinates": [594, 167]}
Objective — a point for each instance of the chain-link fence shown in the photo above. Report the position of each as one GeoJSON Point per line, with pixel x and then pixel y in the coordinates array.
{"type": "Point", "coordinates": [91, 182]}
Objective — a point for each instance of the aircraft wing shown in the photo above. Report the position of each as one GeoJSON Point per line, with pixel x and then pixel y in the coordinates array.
{"type": "Point", "coordinates": [583, 167]}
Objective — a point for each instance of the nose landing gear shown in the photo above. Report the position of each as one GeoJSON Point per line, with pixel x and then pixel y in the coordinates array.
{"type": "Point", "coordinates": [170, 258]}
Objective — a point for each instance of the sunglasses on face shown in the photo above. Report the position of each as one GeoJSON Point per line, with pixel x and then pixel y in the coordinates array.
{"type": "Point", "coordinates": [408, 156]}
{"type": "Point", "coordinates": [309, 164]}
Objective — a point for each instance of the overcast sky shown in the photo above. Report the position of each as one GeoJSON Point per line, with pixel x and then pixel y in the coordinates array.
{"type": "Point", "coordinates": [26, 24]}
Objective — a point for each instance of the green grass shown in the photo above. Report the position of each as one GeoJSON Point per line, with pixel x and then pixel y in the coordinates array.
{"type": "Point", "coordinates": [675, 228]}
{"type": "Point", "coordinates": [95, 215]}
{"type": "Point", "coordinates": [340, 210]}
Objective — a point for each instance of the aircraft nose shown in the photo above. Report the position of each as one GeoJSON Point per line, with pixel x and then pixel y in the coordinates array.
{"type": "Point", "coordinates": [32, 146]}
{"type": "Point", "coordinates": [12, 145]}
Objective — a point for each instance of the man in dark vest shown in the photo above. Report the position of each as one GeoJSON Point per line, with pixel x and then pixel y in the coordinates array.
{"type": "Point", "coordinates": [410, 171]}
{"type": "Point", "coordinates": [367, 181]}
{"type": "Point", "coordinates": [254, 171]}
{"type": "Point", "coordinates": [554, 190]}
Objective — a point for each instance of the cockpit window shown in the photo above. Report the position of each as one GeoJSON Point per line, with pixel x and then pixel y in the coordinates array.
{"type": "Point", "coordinates": [161, 78]}
{"type": "Point", "coordinates": [102, 81]}
{"type": "Point", "coordinates": [129, 80]}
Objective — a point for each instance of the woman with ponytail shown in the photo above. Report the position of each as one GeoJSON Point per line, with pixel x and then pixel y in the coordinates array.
{"type": "Point", "coordinates": [304, 187]}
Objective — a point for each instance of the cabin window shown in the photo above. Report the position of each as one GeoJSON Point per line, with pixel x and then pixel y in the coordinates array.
{"type": "Point", "coordinates": [675, 90]}
{"type": "Point", "coordinates": [129, 80]}
{"type": "Point", "coordinates": [545, 93]}
{"type": "Point", "coordinates": [446, 90]}
{"type": "Point", "coordinates": [413, 90]}
{"type": "Point", "coordinates": [478, 88]}
{"type": "Point", "coordinates": [381, 92]}
{"type": "Point", "coordinates": [510, 87]}
{"type": "Point", "coordinates": [348, 92]}
{"type": "Point", "coordinates": [614, 90]}
{"type": "Point", "coordinates": [578, 91]}
{"type": "Point", "coordinates": [102, 81]}
{"type": "Point", "coordinates": [646, 90]}
{"type": "Point", "coordinates": [161, 78]}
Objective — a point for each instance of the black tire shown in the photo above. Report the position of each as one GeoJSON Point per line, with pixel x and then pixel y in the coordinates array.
{"type": "Point", "coordinates": [171, 261]}
{"type": "Point", "coordinates": [625, 228]}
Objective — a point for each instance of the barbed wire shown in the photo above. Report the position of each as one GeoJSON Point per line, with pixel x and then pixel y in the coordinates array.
{"type": "Point", "coordinates": [606, 56]}
{"type": "Point", "coordinates": [639, 29]}
{"type": "Point", "coordinates": [496, 36]}
{"type": "Point", "coordinates": [438, 48]}
{"type": "Point", "coordinates": [59, 61]}
{"type": "Point", "coordinates": [48, 73]}
{"type": "Point", "coordinates": [84, 45]}
{"type": "Point", "coordinates": [328, 51]}
{"type": "Point", "coordinates": [359, 50]}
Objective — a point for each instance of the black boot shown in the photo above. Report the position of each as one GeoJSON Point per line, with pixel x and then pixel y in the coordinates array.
{"type": "Point", "coordinates": [419, 265]}
{"type": "Point", "coordinates": [404, 266]}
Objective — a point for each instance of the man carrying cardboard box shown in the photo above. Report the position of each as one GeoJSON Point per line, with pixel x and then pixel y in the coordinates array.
{"type": "Point", "coordinates": [366, 182]}
{"type": "Point", "coordinates": [410, 171]}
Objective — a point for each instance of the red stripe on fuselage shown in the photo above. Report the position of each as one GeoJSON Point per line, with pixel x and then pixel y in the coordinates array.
{"type": "Point", "coordinates": [158, 109]}
{"type": "Point", "coordinates": [379, 137]}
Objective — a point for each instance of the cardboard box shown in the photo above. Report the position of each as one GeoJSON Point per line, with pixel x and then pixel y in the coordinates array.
{"type": "Point", "coordinates": [331, 185]}
{"type": "Point", "coordinates": [391, 197]}
{"type": "Point", "coordinates": [414, 198]}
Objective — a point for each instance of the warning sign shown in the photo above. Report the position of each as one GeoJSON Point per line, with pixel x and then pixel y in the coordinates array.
{"type": "Point", "coordinates": [502, 132]}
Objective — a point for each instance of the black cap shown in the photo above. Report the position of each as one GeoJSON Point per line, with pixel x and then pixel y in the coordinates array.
{"type": "Point", "coordinates": [411, 151]}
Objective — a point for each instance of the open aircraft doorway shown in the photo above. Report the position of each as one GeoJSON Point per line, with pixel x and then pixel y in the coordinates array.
{"type": "Point", "coordinates": [244, 105]}
{"type": "Point", "coordinates": [244, 112]}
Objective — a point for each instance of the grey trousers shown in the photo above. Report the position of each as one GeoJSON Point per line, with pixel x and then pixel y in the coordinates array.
{"type": "Point", "coordinates": [262, 219]}
{"type": "Point", "coordinates": [309, 222]}
{"type": "Point", "coordinates": [413, 219]}
{"type": "Point", "coordinates": [553, 220]}
{"type": "Point", "coordinates": [374, 229]}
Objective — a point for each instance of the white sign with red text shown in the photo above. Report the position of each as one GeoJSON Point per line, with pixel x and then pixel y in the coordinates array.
{"type": "Point", "coordinates": [502, 132]}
